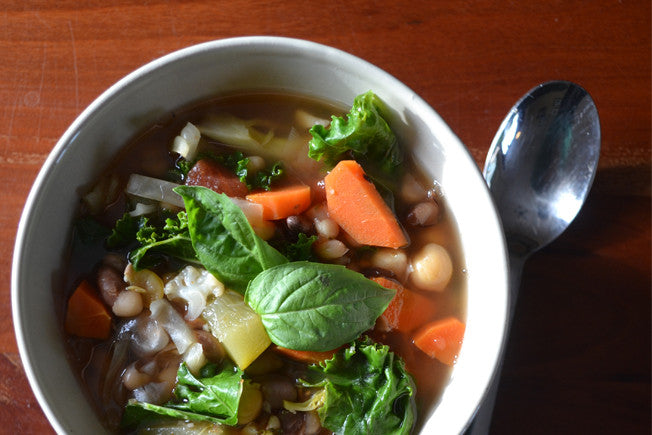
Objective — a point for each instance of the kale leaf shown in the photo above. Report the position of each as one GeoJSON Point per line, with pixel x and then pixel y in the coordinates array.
{"type": "Point", "coordinates": [153, 242]}
{"type": "Point", "coordinates": [367, 390]}
{"type": "Point", "coordinates": [364, 133]}
{"type": "Point", "coordinates": [301, 249]}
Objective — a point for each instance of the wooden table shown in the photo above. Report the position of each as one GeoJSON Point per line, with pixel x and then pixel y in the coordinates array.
{"type": "Point", "coordinates": [578, 360]}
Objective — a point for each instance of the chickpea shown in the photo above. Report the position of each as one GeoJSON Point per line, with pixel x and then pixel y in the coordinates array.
{"type": "Point", "coordinates": [432, 268]}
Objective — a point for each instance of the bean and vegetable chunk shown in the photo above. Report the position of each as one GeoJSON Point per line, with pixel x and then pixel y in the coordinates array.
{"type": "Point", "coordinates": [256, 264]}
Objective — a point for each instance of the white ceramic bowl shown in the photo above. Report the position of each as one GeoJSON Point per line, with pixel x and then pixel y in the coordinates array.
{"type": "Point", "coordinates": [225, 66]}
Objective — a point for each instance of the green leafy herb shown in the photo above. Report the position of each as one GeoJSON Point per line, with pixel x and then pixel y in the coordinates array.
{"type": "Point", "coordinates": [223, 239]}
{"type": "Point", "coordinates": [367, 391]}
{"type": "Point", "coordinates": [261, 179]}
{"type": "Point", "coordinates": [172, 240]}
{"type": "Point", "coordinates": [89, 230]}
{"type": "Point", "coordinates": [315, 306]}
{"type": "Point", "coordinates": [364, 133]}
{"type": "Point", "coordinates": [125, 230]}
{"type": "Point", "coordinates": [301, 249]}
{"type": "Point", "coordinates": [214, 396]}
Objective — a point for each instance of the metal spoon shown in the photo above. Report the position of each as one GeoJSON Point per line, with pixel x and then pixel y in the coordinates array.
{"type": "Point", "coordinates": [539, 169]}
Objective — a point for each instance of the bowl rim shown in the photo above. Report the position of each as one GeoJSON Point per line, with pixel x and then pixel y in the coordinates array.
{"type": "Point", "coordinates": [57, 152]}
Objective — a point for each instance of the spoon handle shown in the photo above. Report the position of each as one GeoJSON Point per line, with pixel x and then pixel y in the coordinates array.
{"type": "Point", "coordinates": [482, 420]}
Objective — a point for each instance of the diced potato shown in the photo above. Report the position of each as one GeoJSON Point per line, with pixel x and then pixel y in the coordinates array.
{"type": "Point", "coordinates": [237, 327]}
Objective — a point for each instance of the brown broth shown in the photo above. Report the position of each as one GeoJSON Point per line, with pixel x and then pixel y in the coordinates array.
{"type": "Point", "coordinates": [148, 155]}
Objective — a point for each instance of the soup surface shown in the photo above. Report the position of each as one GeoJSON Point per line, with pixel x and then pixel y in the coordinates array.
{"type": "Point", "coordinates": [250, 264]}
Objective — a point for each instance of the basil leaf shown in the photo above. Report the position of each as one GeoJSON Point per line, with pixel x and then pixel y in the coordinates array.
{"type": "Point", "coordinates": [315, 306]}
{"type": "Point", "coordinates": [367, 391]}
{"type": "Point", "coordinates": [224, 241]}
{"type": "Point", "coordinates": [213, 397]}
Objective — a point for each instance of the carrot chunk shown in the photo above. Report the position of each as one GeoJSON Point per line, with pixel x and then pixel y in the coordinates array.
{"type": "Point", "coordinates": [441, 339]}
{"type": "Point", "coordinates": [283, 202]}
{"type": "Point", "coordinates": [355, 204]}
{"type": "Point", "coordinates": [306, 356]}
{"type": "Point", "coordinates": [407, 310]}
{"type": "Point", "coordinates": [87, 316]}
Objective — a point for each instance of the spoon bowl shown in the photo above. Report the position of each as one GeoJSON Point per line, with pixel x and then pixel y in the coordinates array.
{"type": "Point", "coordinates": [542, 162]}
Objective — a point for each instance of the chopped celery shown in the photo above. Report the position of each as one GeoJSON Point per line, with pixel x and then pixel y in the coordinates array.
{"type": "Point", "coordinates": [237, 327]}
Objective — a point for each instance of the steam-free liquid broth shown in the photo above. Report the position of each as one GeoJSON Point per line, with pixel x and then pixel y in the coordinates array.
{"type": "Point", "coordinates": [138, 311]}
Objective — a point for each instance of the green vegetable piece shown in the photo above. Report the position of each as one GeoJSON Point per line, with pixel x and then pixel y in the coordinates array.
{"type": "Point", "coordinates": [223, 239]}
{"type": "Point", "coordinates": [213, 397]}
{"type": "Point", "coordinates": [301, 249]}
{"type": "Point", "coordinates": [367, 390]}
{"type": "Point", "coordinates": [364, 133]}
{"type": "Point", "coordinates": [89, 231]}
{"type": "Point", "coordinates": [125, 230]}
{"type": "Point", "coordinates": [172, 240]}
{"type": "Point", "coordinates": [315, 306]}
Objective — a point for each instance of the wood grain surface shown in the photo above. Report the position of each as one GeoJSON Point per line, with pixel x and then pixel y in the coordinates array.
{"type": "Point", "coordinates": [578, 359]}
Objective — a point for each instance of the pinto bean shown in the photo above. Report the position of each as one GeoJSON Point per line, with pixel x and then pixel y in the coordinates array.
{"type": "Point", "coordinates": [213, 349]}
{"type": "Point", "coordinates": [110, 284]}
{"type": "Point", "coordinates": [276, 389]}
{"type": "Point", "coordinates": [211, 174]}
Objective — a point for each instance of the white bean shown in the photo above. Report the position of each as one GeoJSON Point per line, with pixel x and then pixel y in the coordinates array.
{"type": "Point", "coordinates": [424, 214]}
{"type": "Point", "coordinates": [128, 304]}
{"type": "Point", "coordinates": [327, 228]}
{"type": "Point", "coordinates": [432, 268]}
{"type": "Point", "coordinates": [256, 163]}
{"type": "Point", "coordinates": [132, 378]}
{"type": "Point", "coordinates": [330, 249]}
{"type": "Point", "coordinates": [411, 190]}
{"type": "Point", "coordinates": [393, 260]}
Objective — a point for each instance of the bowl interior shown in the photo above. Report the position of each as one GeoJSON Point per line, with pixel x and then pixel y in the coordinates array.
{"type": "Point", "coordinates": [226, 66]}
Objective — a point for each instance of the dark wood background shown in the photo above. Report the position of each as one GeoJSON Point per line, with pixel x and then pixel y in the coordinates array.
{"type": "Point", "coordinates": [578, 360]}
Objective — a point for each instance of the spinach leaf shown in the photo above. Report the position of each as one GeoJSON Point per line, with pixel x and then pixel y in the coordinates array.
{"type": "Point", "coordinates": [315, 306]}
{"type": "Point", "coordinates": [223, 239]}
{"type": "Point", "coordinates": [367, 390]}
{"type": "Point", "coordinates": [213, 397]}
{"type": "Point", "coordinates": [364, 133]}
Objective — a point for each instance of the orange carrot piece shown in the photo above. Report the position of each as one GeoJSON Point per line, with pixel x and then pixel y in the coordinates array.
{"type": "Point", "coordinates": [441, 339]}
{"type": "Point", "coordinates": [87, 316]}
{"type": "Point", "coordinates": [283, 202]}
{"type": "Point", "coordinates": [408, 309]}
{"type": "Point", "coordinates": [355, 204]}
{"type": "Point", "coordinates": [306, 356]}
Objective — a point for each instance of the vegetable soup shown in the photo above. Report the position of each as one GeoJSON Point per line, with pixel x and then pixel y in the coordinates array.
{"type": "Point", "coordinates": [264, 263]}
